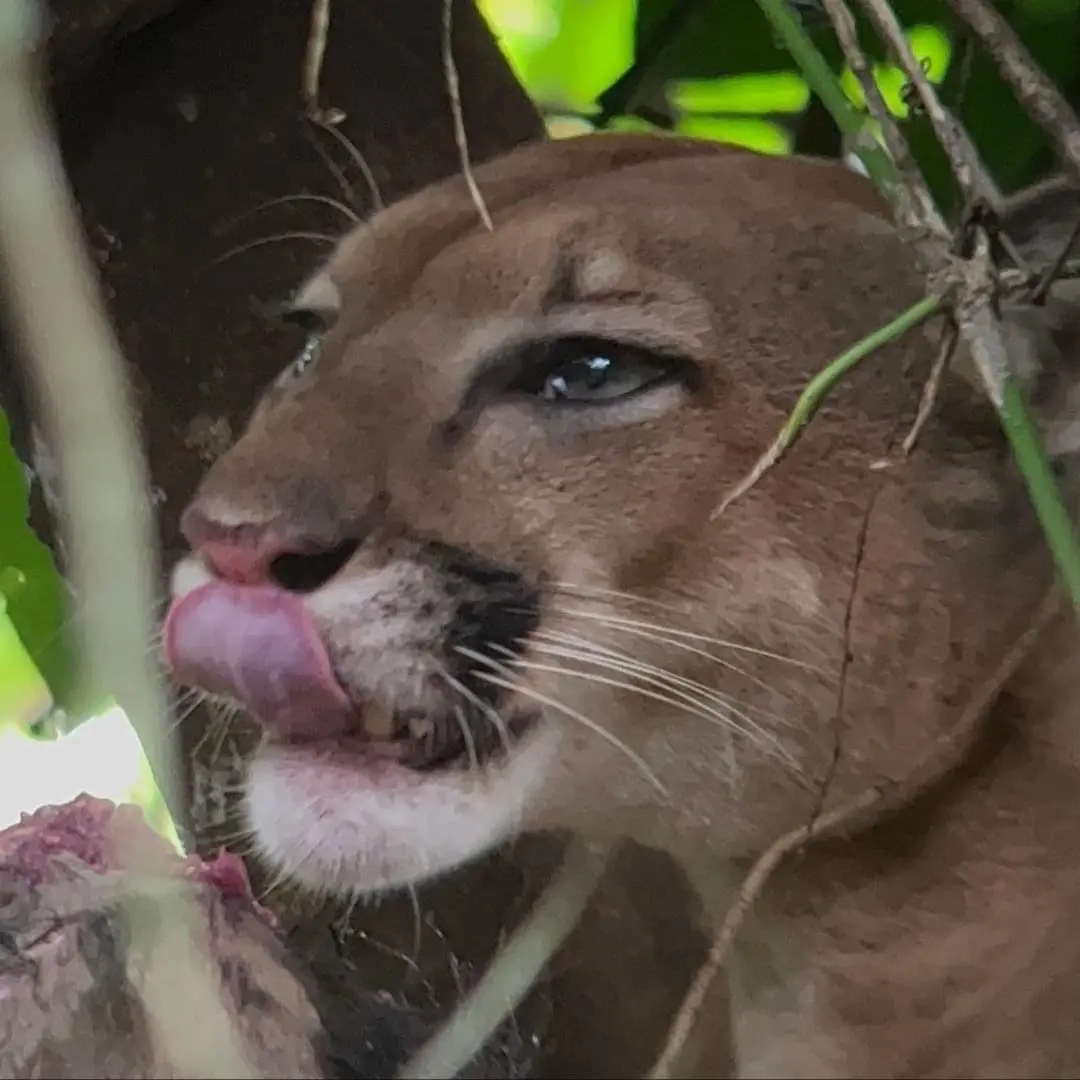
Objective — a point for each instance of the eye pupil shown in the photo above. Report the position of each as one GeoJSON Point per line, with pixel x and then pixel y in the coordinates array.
{"type": "Point", "coordinates": [587, 373]}
{"type": "Point", "coordinates": [597, 368]}
{"type": "Point", "coordinates": [590, 370]}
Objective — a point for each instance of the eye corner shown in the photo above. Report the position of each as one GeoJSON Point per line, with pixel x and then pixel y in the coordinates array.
{"type": "Point", "coordinates": [310, 321]}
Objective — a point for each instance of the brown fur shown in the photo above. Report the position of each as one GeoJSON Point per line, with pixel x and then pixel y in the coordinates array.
{"type": "Point", "coordinates": [852, 612]}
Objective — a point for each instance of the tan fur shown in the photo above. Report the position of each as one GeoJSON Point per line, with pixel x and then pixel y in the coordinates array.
{"type": "Point", "coordinates": [848, 614]}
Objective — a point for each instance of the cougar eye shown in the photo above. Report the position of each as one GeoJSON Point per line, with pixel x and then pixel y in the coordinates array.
{"type": "Point", "coordinates": [592, 371]}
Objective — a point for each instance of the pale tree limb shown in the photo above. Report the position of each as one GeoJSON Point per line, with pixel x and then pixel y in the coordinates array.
{"type": "Point", "coordinates": [516, 967]}
{"type": "Point", "coordinates": [50, 289]}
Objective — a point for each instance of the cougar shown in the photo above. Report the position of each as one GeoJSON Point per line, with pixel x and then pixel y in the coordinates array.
{"type": "Point", "coordinates": [466, 567]}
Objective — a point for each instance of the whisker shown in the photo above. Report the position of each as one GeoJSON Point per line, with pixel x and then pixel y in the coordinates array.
{"type": "Point", "coordinates": [418, 925]}
{"type": "Point", "coordinates": [687, 704]}
{"type": "Point", "coordinates": [690, 635]}
{"type": "Point", "coordinates": [515, 686]}
{"type": "Point", "coordinates": [694, 601]}
{"type": "Point", "coordinates": [685, 646]}
{"type": "Point", "coordinates": [277, 238]}
{"type": "Point", "coordinates": [632, 662]}
{"type": "Point", "coordinates": [717, 706]}
{"type": "Point", "coordinates": [285, 200]}
{"type": "Point", "coordinates": [467, 735]}
{"type": "Point", "coordinates": [359, 161]}
{"type": "Point", "coordinates": [478, 702]}
{"type": "Point", "coordinates": [335, 170]}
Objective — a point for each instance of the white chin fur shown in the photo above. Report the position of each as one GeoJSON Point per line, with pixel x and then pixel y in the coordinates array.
{"type": "Point", "coordinates": [336, 828]}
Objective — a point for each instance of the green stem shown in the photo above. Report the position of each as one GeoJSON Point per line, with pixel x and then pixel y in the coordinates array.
{"type": "Point", "coordinates": [1038, 473]}
{"type": "Point", "coordinates": [821, 385]}
{"type": "Point", "coordinates": [823, 81]}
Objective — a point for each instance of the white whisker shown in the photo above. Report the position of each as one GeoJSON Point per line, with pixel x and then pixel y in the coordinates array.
{"type": "Point", "coordinates": [467, 735]}
{"type": "Point", "coordinates": [669, 632]}
{"type": "Point", "coordinates": [489, 711]}
{"type": "Point", "coordinates": [277, 238]}
{"type": "Point", "coordinates": [717, 709]}
{"type": "Point", "coordinates": [631, 662]}
{"type": "Point", "coordinates": [516, 686]}
{"type": "Point", "coordinates": [359, 161]}
{"type": "Point", "coordinates": [674, 699]}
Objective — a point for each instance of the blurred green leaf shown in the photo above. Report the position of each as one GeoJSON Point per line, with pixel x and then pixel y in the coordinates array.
{"type": "Point", "coordinates": [24, 696]}
{"type": "Point", "coordinates": [35, 596]}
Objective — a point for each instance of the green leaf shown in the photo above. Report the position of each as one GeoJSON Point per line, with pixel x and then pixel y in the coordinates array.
{"type": "Point", "coordinates": [34, 594]}
{"type": "Point", "coordinates": [24, 697]}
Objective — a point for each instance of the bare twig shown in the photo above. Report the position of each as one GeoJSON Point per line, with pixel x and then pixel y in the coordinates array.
{"type": "Point", "coordinates": [311, 72]}
{"type": "Point", "coordinates": [749, 891]}
{"type": "Point", "coordinates": [973, 285]}
{"type": "Point", "coordinates": [515, 969]}
{"type": "Point", "coordinates": [915, 207]}
{"type": "Point", "coordinates": [1057, 270]}
{"type": "Point", "coordinates": [949, 337]}
{"type": "Point", "coordinates": [49, 287]}
{"type": "Point", "coordinates": [453, 88]}
{"type": "Point", "coordinates": [1035, 91]}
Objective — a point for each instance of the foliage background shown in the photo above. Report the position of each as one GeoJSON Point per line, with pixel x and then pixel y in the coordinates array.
{"type": "Point", "coordinates": [706, 68]}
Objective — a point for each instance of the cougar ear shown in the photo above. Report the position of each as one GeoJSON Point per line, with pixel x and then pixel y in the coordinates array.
{"type": "Point", "coordinates": [1043, 339]}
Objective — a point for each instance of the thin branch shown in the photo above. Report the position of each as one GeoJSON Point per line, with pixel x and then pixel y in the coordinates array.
{"type": "Point", "coordinates": [453, 88]}
{"type": "Point", "coordinates": [755, 881]}
{"type": "Point", "coordinates": [515, 969]}
{"type": "Point", "coordinates": [1034, 90]}
{"type": "Point", "coordinates": [311, 71]}
{"type": "Point", "coordinates": [915, 208]}
{"type": "Point", "coordinates": [949, 337]}
{"type": "Point", "coordinates": [975, 285]}
{"type": "Point", "coordinates": [51, 292]}
{"type": "Point", "coordinates": [968, 169]}
{"type": "Point", "coordinates": [819, 76]}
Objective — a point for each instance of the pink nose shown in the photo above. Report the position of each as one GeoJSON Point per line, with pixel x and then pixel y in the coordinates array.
{"type": "Point", "coordinates": [238, 553]}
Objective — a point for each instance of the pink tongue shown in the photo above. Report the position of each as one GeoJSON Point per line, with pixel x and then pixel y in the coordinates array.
{"type": "Point", "coordinates": [257, 644]}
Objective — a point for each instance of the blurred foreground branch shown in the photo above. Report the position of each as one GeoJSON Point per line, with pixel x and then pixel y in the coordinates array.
{"type": "Point", "coordinates": [50, 289]}
{"type": "Point", "coordinates": [515, 968]}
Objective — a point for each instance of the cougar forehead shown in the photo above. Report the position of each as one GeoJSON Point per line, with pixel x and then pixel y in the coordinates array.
{"type": "Point", "coordinates": [536, 583]}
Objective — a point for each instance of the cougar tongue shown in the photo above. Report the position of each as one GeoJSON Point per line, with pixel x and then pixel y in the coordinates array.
{"type": "Point", "coordinates": [258, 645]}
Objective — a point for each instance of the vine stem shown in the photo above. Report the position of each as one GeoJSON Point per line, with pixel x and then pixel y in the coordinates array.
{"type": "Point", "coordinates": [822, 384]}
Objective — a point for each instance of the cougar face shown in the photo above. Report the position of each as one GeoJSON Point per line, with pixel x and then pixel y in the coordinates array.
{"type": "Point", "coordinates": [464, 565]}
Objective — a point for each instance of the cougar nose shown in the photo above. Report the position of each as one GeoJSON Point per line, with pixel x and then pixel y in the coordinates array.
{"type": "Point", "coordinates": [250, 554]}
